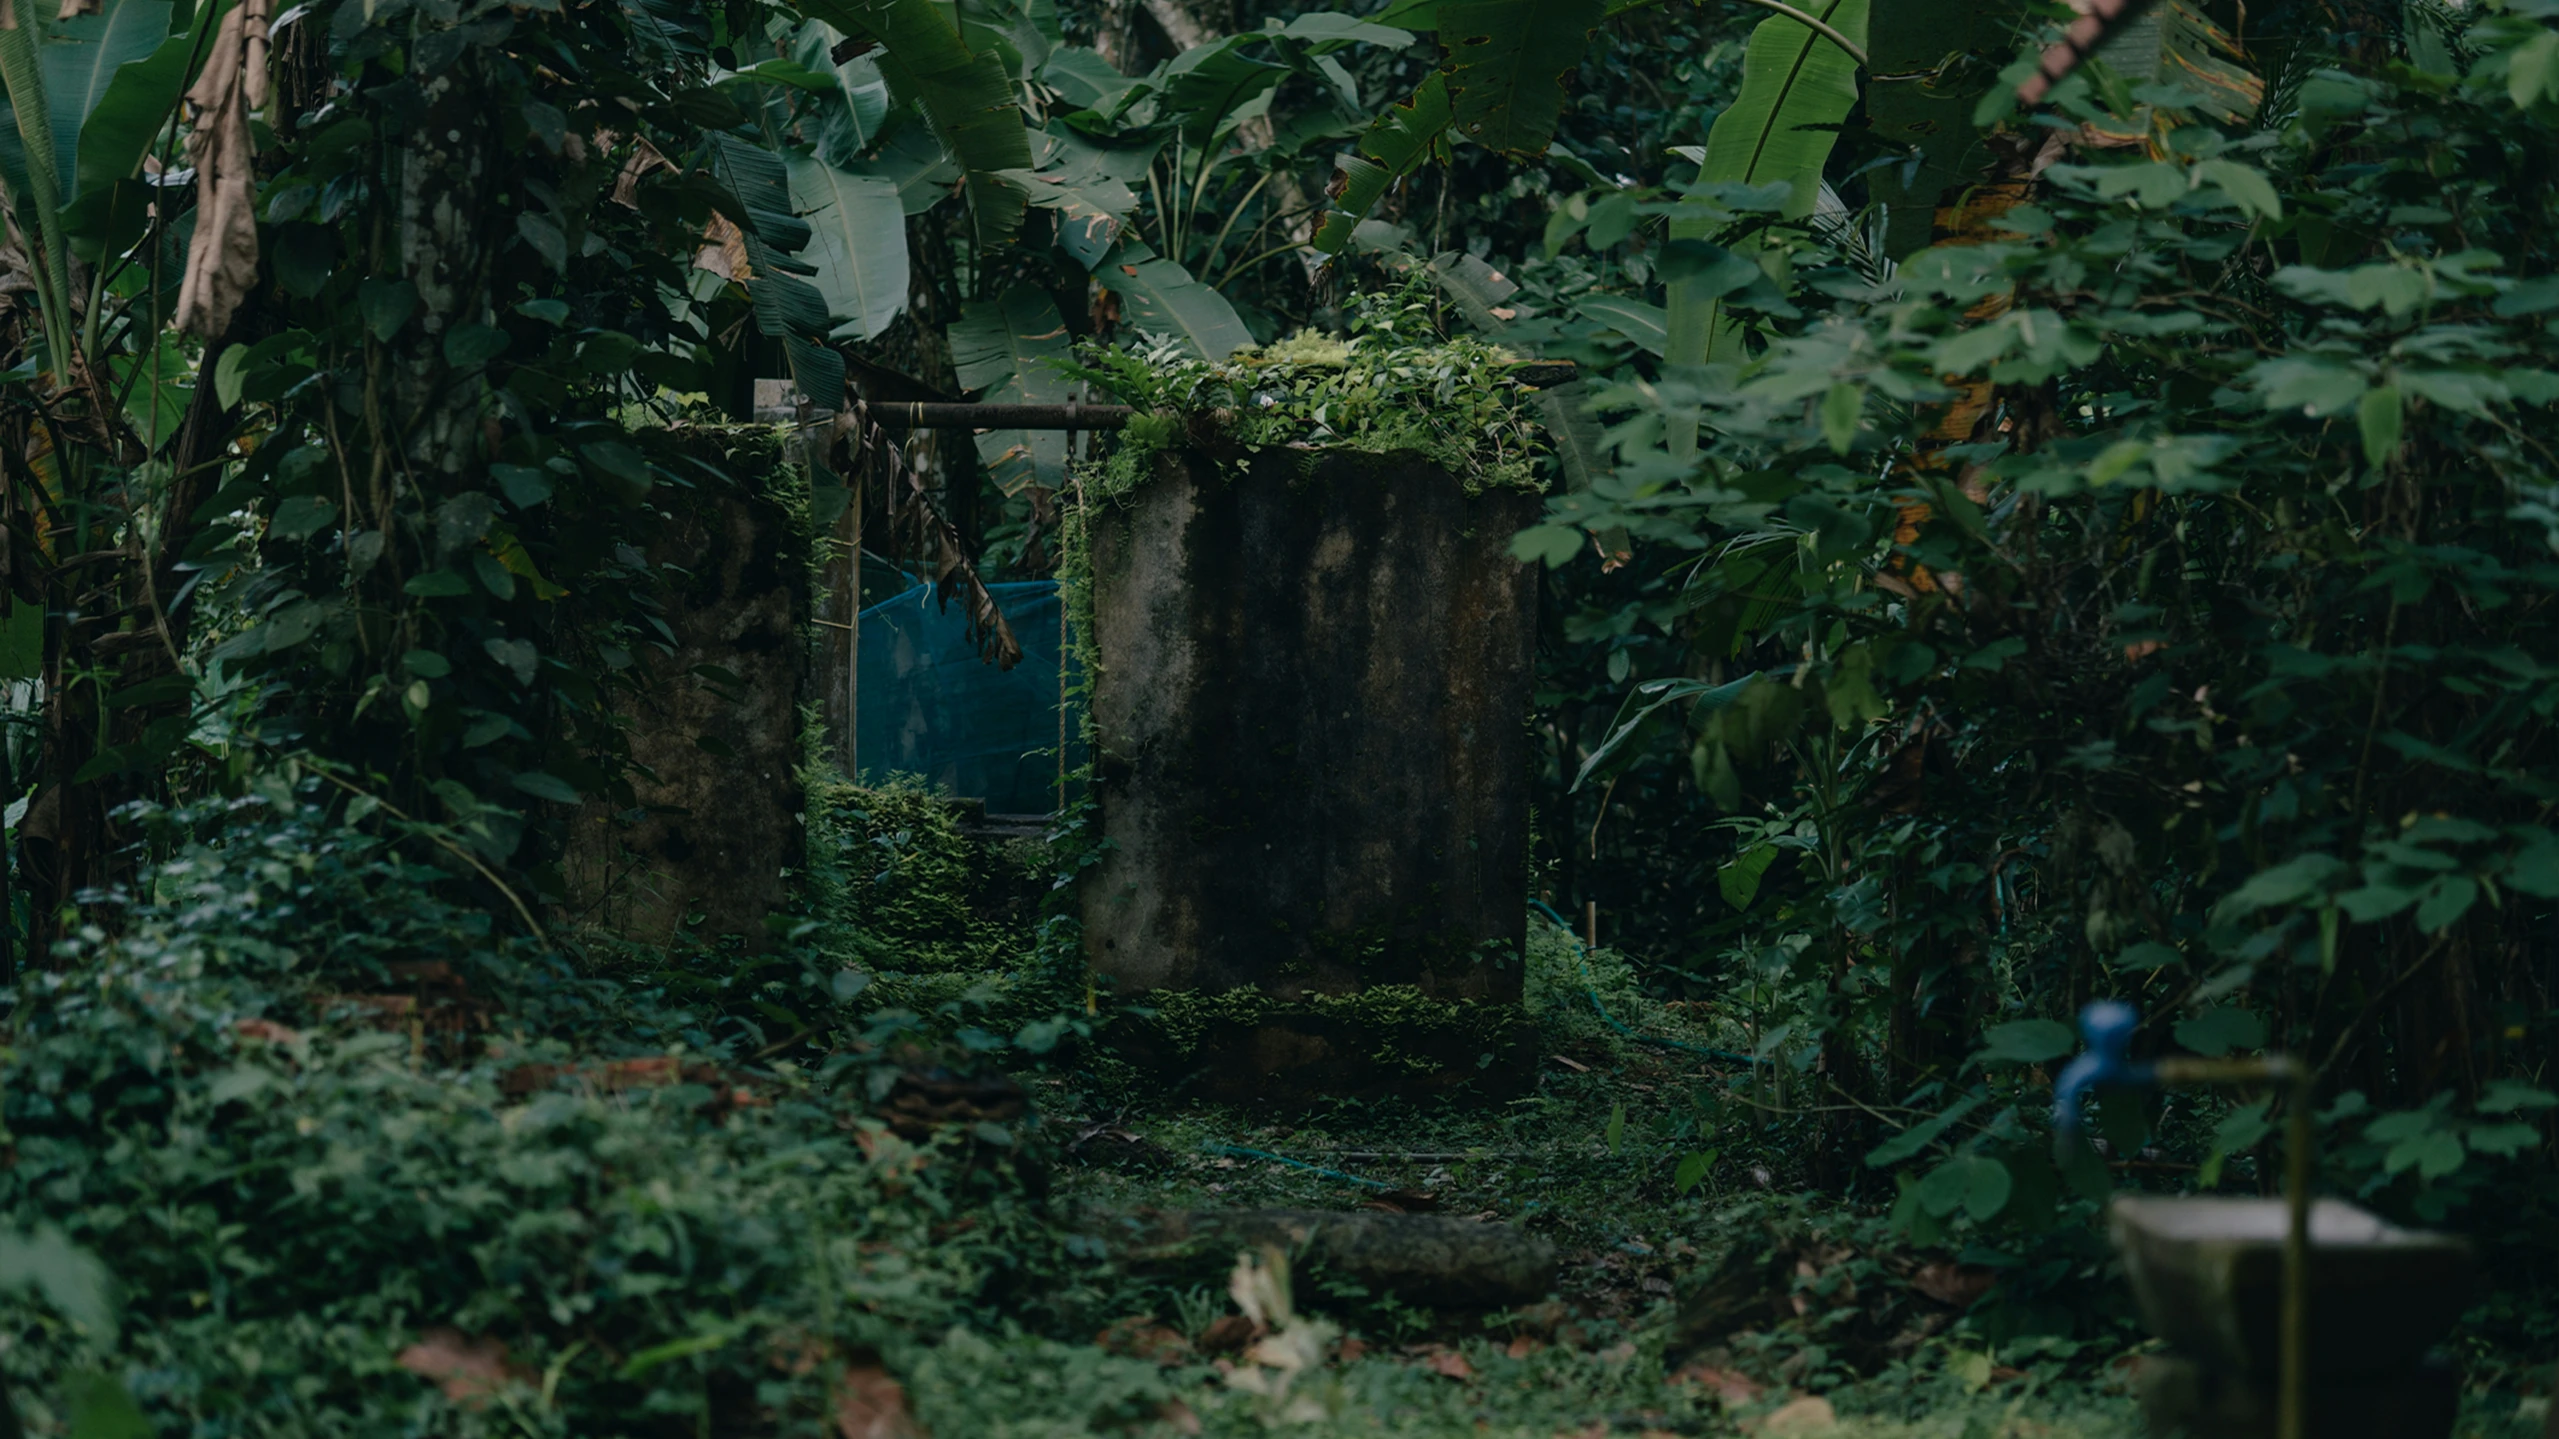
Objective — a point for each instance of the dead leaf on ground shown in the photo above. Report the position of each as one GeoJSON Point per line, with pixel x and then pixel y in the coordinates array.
{"type": "Point", "coordinates": [468, 1370]}
{"type": "Point", "coordinates": [1957, 1284]}
{"type": "Point", "coordinates": [1523, 1346]}
{"type": "Point", "coordinates": [1179, 1416]}
{"type": "Point", "coordinates": [1811, 1414]}
{"type": "Point", "coordinates": [1227, 1334]}
{"type": "Point", "coordinates": [1140, 1336]}
{"type": "Point", "coordinates": [1447, 1363]}
{"type": "Point", "coordinates": [1731, 1386]}
{"type": "Point", "coordinates": [1113, 1145]}
{"type": "Point", "coordinates": [1353, 1350]}
{"type": "Point", "coordinates": [871, 1405]}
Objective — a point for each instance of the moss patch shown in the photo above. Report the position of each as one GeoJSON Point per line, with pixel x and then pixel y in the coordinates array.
{"type": "Point", "coordinates": [1250, 1045]}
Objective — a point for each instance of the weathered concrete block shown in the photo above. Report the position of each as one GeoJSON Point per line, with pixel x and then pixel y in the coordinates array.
{"type": "Point", "coordinates": [1311, 710]}
{"type": "Point", "coordinates": [718, 822]}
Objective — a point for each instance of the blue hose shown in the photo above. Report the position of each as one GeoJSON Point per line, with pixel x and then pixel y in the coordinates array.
{"type": "Point", "coordinates": [1237, 1151]}
{"type": "Point", "coordinates": [1590, 986]}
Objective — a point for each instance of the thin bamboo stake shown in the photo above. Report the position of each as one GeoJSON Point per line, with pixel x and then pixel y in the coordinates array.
{"type": "Point", "coordinates": [853, 643]}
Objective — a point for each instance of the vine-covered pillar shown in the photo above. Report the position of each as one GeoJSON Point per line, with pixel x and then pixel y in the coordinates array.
{"type": "Point", "coordinates": [447, 160]}
{"type": "Point", "coordinates": [1311, 704]}
{"type": "Point", "coordinates": [715, 742]}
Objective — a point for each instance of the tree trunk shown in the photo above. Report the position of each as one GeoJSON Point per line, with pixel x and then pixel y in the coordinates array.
{"type": "Point", "coordinates": [446, 174]}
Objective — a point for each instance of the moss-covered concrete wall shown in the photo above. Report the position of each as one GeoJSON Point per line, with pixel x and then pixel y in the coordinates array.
{"type": "Point", "coordinates": [1310, 704]}
{"type": "Point", "coordinates": [716, 724]}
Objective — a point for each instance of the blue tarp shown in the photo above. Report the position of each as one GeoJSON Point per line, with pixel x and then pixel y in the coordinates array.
{"type": "Point", "coordinates": [928, 705]}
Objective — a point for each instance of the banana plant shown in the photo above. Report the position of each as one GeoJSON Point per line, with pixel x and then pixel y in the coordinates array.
{"type": "Point", "coordinates": [1214, 200]}
{"type": "Point", "coordinates": [892, 103]}
{"type": "Point", "coordinates": [1502, 86]}
{"type": "Point", "coordinates": [966, 93]}
{"type": "Point", "coordinates": [87, 96]}
{"type": "Point", "coordinates": [1006, 350]}
{"type": "Point", "coordinates": [89, 406]}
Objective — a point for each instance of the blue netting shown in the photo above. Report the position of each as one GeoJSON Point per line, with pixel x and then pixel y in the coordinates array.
{"type": "Point", "coordinates": [930, 706]}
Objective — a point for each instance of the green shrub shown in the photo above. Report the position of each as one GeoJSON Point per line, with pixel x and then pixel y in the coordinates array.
{"type": "Point", "coordinates": [1560, 978]}
{"type": "Point", "coordinates": [896, 887]}
{"type": "Point", "coordinates": [635, 1234]}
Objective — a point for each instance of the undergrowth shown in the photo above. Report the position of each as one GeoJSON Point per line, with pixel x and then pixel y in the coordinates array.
{"type": "Point", "coordinates": [357, 1165]}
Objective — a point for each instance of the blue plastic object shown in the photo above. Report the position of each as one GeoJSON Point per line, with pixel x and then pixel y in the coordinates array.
{"type": "Point", "coordinates": [2107, 1025]}
{"type": "Point", "coordinates": [929, 706]}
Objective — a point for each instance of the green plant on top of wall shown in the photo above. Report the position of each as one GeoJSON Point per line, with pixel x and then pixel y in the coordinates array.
{"type": "Point", "coordinates": [1391, 386]}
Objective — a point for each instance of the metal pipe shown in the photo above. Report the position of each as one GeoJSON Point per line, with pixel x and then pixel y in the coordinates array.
{"type": "Point", "coordinates": [2294, 1316]}
{"type": "Point", "coordinates": [935, 415]}
{"type": "Point", "coordinates": [2108, 1028]}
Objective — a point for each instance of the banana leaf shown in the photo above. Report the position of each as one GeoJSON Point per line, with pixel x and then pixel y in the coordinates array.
{"type": "Point", "coordinates": [1395, 145]}
{"type": "Point", "coordinates": [968, 96]}
{"type": "Point", "coordinates": [1001, 349]}
{"type": "Point", "coordinates": [857, 113]}
{"type": "Point", "coordinates": [1089, 187]}
{"type": "Point", "coordinates": [81, 58]}
{"type": "Point", "coordinates": [1210, 86]}
{"type": "Point", "coordinates": [859, 244]}
{"type": "Point", "coordinates": [915, 162]}
{"type": "Point", "coordinates": [1474, 287]}
{"type": "Point", "coordinates": [1164, 298]}
{"type": "Point", "coordinates": [1508, 64]}
{"type": "Point", "coordinates": [1797, 86]}
{"type": "Point", "coordinates": [1581, 450]}
{"type": "Point", "coordinates": [756, 195]}
{"type": "Point", "coordinates": [1647, 325]}
{"type": "Point", "coordinates": [1026, 33]}
{"type": "Point", "coordinates": [1085, 79]}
